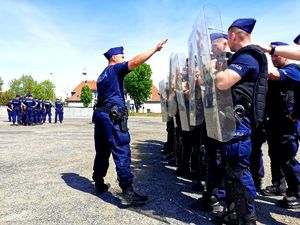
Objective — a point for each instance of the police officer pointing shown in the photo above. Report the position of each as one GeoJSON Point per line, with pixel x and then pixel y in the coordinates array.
{"type": "Point", "coordinates": [111, 133]}
{"type": "Point", "coordinates": [246, 76]}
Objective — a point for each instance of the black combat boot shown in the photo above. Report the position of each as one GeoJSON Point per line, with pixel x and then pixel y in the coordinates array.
{"type": "Point", "coordinates": [228, 217]}
{"type": "Point", "coordinates": [100, 188]}
{"type": "Point", "coordinates": [207, 203]}
{"type": "Point", "coordinates": [131, 198]}
{"type": "Point", "coordinates": [274, 190]}
{"type": "Point", "coordinates": [291, 200]}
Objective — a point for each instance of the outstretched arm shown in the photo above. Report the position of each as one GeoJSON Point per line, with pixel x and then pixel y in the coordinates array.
{"type": "Point", "coordinates": [143, 57]}
{"type": "Point", "coordinates": [286, 51]}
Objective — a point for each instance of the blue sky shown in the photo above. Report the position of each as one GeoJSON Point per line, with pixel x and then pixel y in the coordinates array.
{"type": "Point", "coordinates": [62, 36]}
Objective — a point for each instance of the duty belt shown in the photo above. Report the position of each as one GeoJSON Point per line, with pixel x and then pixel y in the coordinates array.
{"type": "Point", "coordinates": [103, 109]}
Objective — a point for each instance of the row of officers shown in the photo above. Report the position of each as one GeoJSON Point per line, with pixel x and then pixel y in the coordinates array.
{"type": "Point", "coordinates": [29, 111]}
{"type": "Point", "coordinates": [233, 171]}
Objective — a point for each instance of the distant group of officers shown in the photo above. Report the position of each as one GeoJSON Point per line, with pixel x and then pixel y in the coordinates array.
{"type": "Point", "coordinates": [265, 107]}
{"type": "Point", "coordinates": [31, 111]}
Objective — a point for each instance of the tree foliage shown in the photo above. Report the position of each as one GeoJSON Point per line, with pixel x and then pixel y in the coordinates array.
{"type": "Point", "coordinates": [1, 84]}
{"type": "Point", "coordinates": [44, 90]}
{"type": "Point", "coordinates": [138, 84]}
{"type": "Point", "coordinates": [26, 84]}
{"type": "Point", "coordinates": [86, 96]}
{"type": "Point", "coordinates": [5, 97]}
{"type": "Point", "coordinates": [23, 85]}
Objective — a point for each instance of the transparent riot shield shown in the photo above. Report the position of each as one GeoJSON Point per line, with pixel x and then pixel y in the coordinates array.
{"type": "Point", "coordinates": [218, 104]}
{"type": "Point", "coordinates": [172, 101]}
{"type": "Point", "coordinates": [163, 90]}
{"type": "Point", "coordinates": [182, 89]}
{"type": "Point", "coordinates": [196, 113]}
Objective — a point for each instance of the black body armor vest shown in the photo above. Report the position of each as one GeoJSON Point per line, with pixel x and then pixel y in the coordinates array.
{"type": "Point", "coordinates": [251, 92]}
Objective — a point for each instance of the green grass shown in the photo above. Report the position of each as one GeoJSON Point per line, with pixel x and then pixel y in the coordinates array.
{"type": "Point", "coordinates": [145, 114]}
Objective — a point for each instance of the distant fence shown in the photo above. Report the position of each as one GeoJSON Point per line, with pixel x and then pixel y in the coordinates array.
{"type": "Point", "coordinates": [68, 112]}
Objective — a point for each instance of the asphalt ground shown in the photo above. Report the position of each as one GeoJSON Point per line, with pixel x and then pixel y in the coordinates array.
{"type": "Point", "coordinates": [46, 179]}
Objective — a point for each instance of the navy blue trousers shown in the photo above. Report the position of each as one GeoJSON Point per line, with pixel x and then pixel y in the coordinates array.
{"type": "Point", "coordinates": [239, 187]}
{"type": "Point", "coordinates": [110, 140]}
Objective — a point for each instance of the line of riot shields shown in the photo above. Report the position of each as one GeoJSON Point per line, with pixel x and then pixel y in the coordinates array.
{"type": "Point", "coordinates": [191, 104]}
{"type": "Point", "coordinates": [190, 89]}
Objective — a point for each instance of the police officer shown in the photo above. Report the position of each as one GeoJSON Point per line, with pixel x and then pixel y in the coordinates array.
{"type": "Point", "coordinates": [59, 111]}
{"type": "Point", "coordinates": [111, 133]}
{"type": "Point", "coordinates": [47, 109]}
{"type": "Point", "coordinates": [282, 131]}
{"type": "Point", "coordinates": [9, 108]}
{"type": "Point", "coordinates": [215, 190]}
{"type": "Point", "coordinates": [29, 104]}
{"type": "Point", "coordinates": [37, 111]}
{"type": "Point", "coordinates": [16, 115]}
{"type": "Point", "coordinates": [23, 111]}
{"type": "Point", "coordinates": [246, 76]}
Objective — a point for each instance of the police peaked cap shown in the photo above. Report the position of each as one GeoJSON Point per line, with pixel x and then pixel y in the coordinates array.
{"type": "Point", "coordinates": [245, 24]}
{"type": "Point", "coordinates": [113, 51]}
{"type": "Point", "coordinates": [215, 36]}
{"type": "Point", "coordinates": [29, 95]}
{"type": "Point", "coordinates": [278, 43]}
{"type": "Point", "coordinates": [296, 40]}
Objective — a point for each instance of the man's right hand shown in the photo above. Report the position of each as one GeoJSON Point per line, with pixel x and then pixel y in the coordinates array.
{"type": "Point", "coordinates": [159, 46]}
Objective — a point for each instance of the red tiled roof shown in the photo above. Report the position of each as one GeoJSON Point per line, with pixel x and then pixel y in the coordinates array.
{"type": "Point", "coordinates": [154, 95]}
{"type": "Point", "coordinates": [75, 94]}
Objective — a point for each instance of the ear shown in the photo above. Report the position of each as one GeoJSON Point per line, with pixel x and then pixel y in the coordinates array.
{"type": "Point", "coordinates": [113, 58]}
{"type": "Point", "coordinates": [225, 44]}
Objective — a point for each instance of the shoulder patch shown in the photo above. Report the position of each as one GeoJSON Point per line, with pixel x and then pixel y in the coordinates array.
{"type": "Point", "coordinates": [238, 67]}
{"type": "Point", "coordinates": [101, 77]}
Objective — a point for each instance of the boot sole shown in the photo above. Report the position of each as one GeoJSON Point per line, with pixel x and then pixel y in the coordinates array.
{"type": "Point", "coordinates": [126, 203]}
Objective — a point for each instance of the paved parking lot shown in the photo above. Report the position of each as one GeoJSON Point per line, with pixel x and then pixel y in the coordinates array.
{"type": "Point", "coordinates": [46, 179]}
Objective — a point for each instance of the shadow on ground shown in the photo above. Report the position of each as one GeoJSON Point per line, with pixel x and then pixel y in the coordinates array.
{"type": "Point", "coordinates": [170, 196]}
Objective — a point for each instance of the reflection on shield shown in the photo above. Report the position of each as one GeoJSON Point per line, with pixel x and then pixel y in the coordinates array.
{"type": "Point", "coordinates": [163, 90]}
{"type": "Point", "coordinates": [172, 101]}
{"type": "Point", "coordinates": [196, 113]}
{"type": "Point", "coordinates": [218, 106]}
{"type": "Point", "coordinates": [182, 89]}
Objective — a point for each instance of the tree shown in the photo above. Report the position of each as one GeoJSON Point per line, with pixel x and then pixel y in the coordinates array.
{"type": "Point", "coordinates": [86, 96]}
{"type": "Point", "coordinates": [23, 86]}
{"type": "Point", "coordinates": [26, 84]}
{"type": "Point", "coordinates": [5, 97]}
{"type": "Point", "coordinates": [44, 90]}
{"type": "Point", "coordinates": [1, 84]}
{"type": "Point", "coordinates": [138, 84]}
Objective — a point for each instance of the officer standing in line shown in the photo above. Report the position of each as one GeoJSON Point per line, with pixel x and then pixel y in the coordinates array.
{"type": "Point", "coordinates": [47, 110]}
{"type": "Point", "coordinates": [210, 200]}
{"type": "Point", "coordinates": [29, 104]}
{"type": "Point", "coordinates": [59, 111]}
{"type": "Point", "coordinates": [111, 133]}
{"type": "Point", "coordinates": [9, 109]}
{"type": "Point", "coordinates": [43, 111]}
{"type": "Point", "coordinates": [282, 131]}
{"type": "Point", "coordinates": [16, 115]}
{"type": "Point", "coordinates": [37, 111]}
{"type": "Point", "coordinates": [246, 76]}
{"type": "Point", "coordinates": [23, 111]}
